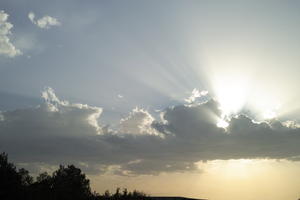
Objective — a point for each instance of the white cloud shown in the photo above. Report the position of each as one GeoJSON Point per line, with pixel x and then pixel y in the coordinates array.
{"type": "Point", "coordinates": [6, 47]}
{"type": "Point", "coordinates": [45, 22]}
{"type": "Point", "coordinates": [195, 94]}
{"type": "Point", "coordinates": [54, 104]}
{"type": "Point", "coordinates": [31, 16]}
{"type": "Point", "coordinates": [139, 121]}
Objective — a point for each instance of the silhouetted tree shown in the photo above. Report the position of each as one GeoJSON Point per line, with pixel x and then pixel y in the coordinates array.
{"type": "Point", "coordinates": [69, 183]}
{"type": "Point", "coordinates": [117, 194]}
{"type": "Point", "coordinates": [125, 194]}
{"type": "Point", "coordinates": [106, 195]}
{"type": "Point", "coordinates": [136, 195]}
{"type": "Point", "coordinates": [13, 183]}
{"type": "Point", "coordinates": [42, 188]}
{"type": "Point", "coordinates": [66, 183]}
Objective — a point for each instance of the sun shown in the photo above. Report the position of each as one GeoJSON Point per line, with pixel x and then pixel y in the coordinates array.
{"type": "Point", "coordinates": [231, 94]}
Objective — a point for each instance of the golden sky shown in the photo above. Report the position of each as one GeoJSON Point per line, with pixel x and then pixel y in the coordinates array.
{"type": "Point", "coordinates": [218, 180]}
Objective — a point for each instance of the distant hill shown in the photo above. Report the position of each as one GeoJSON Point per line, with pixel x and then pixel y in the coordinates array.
{"type": "Point", "coordinates": [172, 198]}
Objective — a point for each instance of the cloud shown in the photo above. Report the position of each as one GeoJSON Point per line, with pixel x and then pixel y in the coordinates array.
{"type": "Point", "coordinates": [1, 117]}
{"type": "Point", "coordinates": [6, 47]}
{"type": "Point", "coordinates": [45, 22]}
{"type": "Point", "coordinates": [195, 95]}
{"type": "Point", "coordinates": [90, 113]}
{"type": "Point", "coordinates": [139, 121]}
{"type": "Point", "coordinates": [58, 131]}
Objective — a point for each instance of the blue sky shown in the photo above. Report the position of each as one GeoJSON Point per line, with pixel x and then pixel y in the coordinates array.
{"type": "Point", "coordinates": [149, 52]}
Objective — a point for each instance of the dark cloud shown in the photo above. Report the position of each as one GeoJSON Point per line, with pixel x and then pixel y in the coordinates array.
{"type": "Point", "coordinates": [61, 132]}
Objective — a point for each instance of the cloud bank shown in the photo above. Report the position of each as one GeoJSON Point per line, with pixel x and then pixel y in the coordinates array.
{"type": "Point", "coordinates": [45, 22]}
{"type": "Point", "coordinates": [6, 47]}
{"type": "Point", "coordinates": [62, 132]}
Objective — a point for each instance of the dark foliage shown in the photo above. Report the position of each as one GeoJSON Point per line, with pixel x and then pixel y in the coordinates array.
{"type": "Point", "coordinates": [124, 195]}
{"type": "Point", "coordinates": [66, 183]}
{"type": "Point", "coordinates": [13, 183]}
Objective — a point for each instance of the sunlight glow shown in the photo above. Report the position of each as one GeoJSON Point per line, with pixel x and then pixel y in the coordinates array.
{"type": "Point", "coordinates": [237, 168]}
{"type": "Point", "coordinates": [222, 123]}
{"type": "Point", "coordinates": [269, 114]}
{"type": "Point", "coordinates": [269, 110]}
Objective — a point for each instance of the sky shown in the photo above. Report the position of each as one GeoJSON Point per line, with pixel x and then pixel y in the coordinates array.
{"type": "Point", "coordinates": [179, 98]}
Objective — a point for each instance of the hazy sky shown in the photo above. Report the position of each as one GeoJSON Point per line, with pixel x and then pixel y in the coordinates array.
{"type": "Point", "coordinates": [186, 98]}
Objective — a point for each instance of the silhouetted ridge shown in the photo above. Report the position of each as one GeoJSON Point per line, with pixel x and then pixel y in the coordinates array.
{"type": "Point", "coordinates": [172, 198]}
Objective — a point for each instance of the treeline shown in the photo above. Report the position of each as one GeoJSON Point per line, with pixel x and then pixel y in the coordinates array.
{"type": "Point", "coordinates": [66, 183]}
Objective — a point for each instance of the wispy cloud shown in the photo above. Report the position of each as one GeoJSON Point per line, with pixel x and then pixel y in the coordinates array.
{"type": "Point", "coordinates": [45, 22]}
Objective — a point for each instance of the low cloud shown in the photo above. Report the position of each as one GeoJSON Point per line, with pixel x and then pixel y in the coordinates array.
{"type": "Point", "coordinates": [45, 22]}
{"type": "Point", "coordinates": [6, 47]}
{"type": "Point", "coordinates": [58, 131]}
